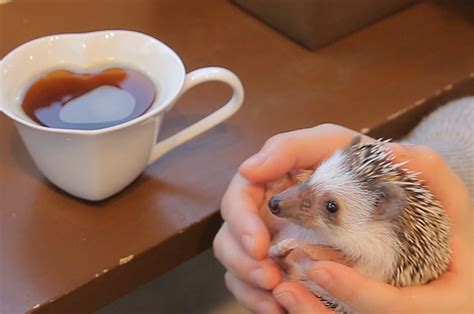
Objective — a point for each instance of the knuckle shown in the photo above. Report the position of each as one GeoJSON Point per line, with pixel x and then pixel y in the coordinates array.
{"type": "Point", "coordinates": [353, 294]}
{"type": "Point", "coordinates": [228, 278]}
{"type": "Point", "coordinates": [242, 292]}
{"type": "Point", "coordinates": [232, 283]}
{"type": "Point", "coordinates": [233, 192]}
{"type": "Point", "coordinates": [328, 127]}
{"type": "Point", "coordinates": [224, 207]}
{"type": "Point", "coordinates": [280, 139]}
{"type": "Point", "coordinates": [430, 156]}
{"type": "Point", "coordinates": [217, 244]}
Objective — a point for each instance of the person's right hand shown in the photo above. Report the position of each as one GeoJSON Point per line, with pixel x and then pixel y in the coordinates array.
{"type": "Point", "coordinates": [242, 243]}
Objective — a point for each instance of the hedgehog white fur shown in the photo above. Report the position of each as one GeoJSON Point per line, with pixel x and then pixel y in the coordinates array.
{"type": "Point", "coordinates": [372, 211]}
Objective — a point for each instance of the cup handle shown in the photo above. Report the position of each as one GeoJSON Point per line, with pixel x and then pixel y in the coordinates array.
{"type": "Point", "coordinates": [192, 79]}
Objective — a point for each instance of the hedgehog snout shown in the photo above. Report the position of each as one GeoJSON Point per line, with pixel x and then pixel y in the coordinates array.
{"type": "Point", "coordinates": [274, 205]}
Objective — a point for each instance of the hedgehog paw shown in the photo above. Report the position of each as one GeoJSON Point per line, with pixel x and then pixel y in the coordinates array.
{"type": "Point", "coordinates": [283, 248]}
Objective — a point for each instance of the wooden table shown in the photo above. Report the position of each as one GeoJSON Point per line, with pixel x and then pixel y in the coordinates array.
{"type": "Point", "coordinates": [60, 254]}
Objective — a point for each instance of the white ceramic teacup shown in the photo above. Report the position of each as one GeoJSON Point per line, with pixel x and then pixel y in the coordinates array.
{"type": "Point", "coordinates": [95, 164]}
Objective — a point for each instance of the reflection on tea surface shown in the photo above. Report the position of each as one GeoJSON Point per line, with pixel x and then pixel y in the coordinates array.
{"type": "Point", "coordinates": [68, 100]}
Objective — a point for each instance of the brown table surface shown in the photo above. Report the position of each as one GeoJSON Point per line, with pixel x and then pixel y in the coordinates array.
{"type": "Point", "coordinates": [61, 254]}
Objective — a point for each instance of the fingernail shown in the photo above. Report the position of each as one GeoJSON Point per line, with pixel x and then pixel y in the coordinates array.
{"type": "Point", "coordinates": [286, 299]}
{"type": "Point", "coordinates": [256, 160]}
{"type": "Point", "coordinates": [320, 276]}
{"type": "Point", "coordinates": [259, 276]}
{"type": "Point", "coordinates": [264, 307]}
{"type": "Point", "coordinates": [249, 243]}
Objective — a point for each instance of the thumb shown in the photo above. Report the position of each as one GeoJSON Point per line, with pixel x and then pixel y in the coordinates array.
{"type": "Point", "coordinates": [350, 287]}
{"type": "Point", "coordinates": [296, 149]}
{"type": "Point", "coordinates": [296, 299]}
{"type": "Point", "coordinates": [269, 164]}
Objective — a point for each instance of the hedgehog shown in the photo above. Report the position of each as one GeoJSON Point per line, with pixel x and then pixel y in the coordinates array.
{"type": "Point", "coordinates": [364, 210]}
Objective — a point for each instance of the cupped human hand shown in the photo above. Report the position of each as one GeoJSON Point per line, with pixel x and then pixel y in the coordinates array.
{"type": "Point", "coordinates": [242, 243]}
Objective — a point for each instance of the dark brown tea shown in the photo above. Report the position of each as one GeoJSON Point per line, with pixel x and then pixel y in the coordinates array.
{"type": "Point", "coordinates": [68, 100]}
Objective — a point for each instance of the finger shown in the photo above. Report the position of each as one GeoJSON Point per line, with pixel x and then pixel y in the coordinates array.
{"type": "Point", "coordinates": [296, 299]}
{"type": "Point", "coordinates": [364, 294]}
{"type": "Point", "coordinates": [454, 286]}
{"type": "Point", "coordinates": [297, 149]}
{"type": "Point", "coordinates": [263, 273]}
{"type": "Point", "coordinates": [240, 210]}
{"type": "Point", "coordinates": [256, 300]}
{"type": "Point", "coordinates": [444, 295]}
{"type": "Point", "coordinates": [352, 288]}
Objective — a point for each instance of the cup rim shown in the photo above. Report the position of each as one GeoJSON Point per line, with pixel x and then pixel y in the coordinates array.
{"type": "Point", "coordinates": [147, 115]}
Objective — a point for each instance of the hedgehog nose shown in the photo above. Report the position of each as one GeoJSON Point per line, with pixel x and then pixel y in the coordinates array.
{"type": "Point", "coordinates": [274, 205]}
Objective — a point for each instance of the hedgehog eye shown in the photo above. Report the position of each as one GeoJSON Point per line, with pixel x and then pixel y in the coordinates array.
{"type": "Point", "coordinates": [332, 207]}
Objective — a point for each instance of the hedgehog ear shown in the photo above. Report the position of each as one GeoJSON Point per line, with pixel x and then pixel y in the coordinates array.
{"type": "Point", "coordinates": [392, 201]}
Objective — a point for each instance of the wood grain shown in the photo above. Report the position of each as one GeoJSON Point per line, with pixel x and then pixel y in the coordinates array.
{"type": "Point", "coordinates": [61, 254]}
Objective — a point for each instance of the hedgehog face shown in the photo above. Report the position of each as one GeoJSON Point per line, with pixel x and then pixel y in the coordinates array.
{"type": "Point", "coordinates": [329, 201]}
{"type": "Point", "coordinates": [307, 207]}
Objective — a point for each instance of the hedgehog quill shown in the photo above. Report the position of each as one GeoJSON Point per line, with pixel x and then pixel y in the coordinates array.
{"type": "Point", "coordinates": [367, 212]}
